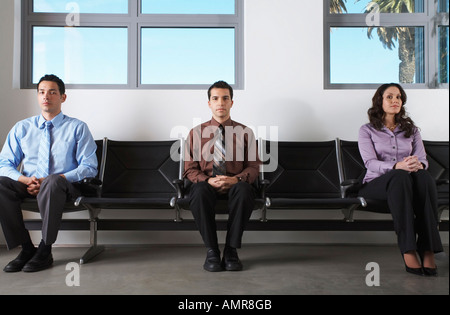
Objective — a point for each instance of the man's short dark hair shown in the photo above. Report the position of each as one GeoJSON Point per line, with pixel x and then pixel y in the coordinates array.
{"type": "Point", "coordinates": [220, 85]}
{"type": "Point", "coordinates": [54, 78]}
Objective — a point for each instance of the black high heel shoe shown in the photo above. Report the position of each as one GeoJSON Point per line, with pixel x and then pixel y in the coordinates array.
{"type": "Point", "coordinates": [414, 271]}
{"type": "Point", "coordinates": [431, 272]}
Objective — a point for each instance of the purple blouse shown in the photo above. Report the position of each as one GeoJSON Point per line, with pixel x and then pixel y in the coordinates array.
{"type": "Point", "coordinates": [382, 149]}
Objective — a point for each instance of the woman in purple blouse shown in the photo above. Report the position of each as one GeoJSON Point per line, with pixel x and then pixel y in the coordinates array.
{"type": "Point", "coordinates": [394, 155]}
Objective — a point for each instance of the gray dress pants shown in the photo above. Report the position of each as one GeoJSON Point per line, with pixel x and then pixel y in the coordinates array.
{"type": "Point", "coordinates": [54, 193]}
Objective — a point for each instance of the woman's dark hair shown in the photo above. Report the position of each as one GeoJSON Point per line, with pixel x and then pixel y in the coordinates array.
{"type": "Point", "coordinates": [220, 85]}
{"type": "Point", "coordinates": [376, 112]}
{"type": "Point", "coordinates": [54, 78]}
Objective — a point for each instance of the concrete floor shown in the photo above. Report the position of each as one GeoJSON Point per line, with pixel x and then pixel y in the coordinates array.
{"type": "Point", "coordinates": [272, 269]}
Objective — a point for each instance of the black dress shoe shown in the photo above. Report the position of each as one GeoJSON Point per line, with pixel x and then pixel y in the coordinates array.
{"type": "Point", "coordinates": [430, 272]}
{"type": "Point", "coordinates": [231, 261]}
{"type": "Point", "coordinates": [212, 262]}
{"type": "Point", "coordinates": [38, 262]}
{"type": "Point", "coordinates": [414, 271]}
{"type": "Point", "coordinates": [17, 264]}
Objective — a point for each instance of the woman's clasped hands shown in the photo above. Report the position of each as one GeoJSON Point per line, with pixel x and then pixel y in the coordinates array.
{"type": "Point", "coordinates": [410, 164]}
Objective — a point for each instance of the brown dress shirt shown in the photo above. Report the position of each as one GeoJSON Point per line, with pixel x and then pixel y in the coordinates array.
{"type": "Point", "coordinates": [241, 154]}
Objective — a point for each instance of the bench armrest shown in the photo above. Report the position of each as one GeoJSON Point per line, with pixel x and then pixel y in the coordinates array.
{"type": "Point", "coordinates": [89, 186]}
{"type": "Point", "coordinates": [350, 182]}
{"type": "Point", "coordinates": [350, 186]}
{"type": "Point", "coordinates": [179, 185]}
{"type": "Point", "coordinates": [263, 184]}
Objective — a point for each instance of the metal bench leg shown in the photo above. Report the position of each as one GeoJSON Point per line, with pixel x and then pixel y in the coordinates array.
{"type": "Point", "coordinates": [440, 210]}
{"type": "Point", "coordinates": [264, 210]}
{"type": "Point", "coordinates": [95, 249]}
{"type": "Point", "coordinates": [348, 215]}
{"type": "Point", "coordinates": [178, 217]}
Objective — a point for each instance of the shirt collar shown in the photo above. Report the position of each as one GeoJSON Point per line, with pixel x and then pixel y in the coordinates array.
{"type": "Point", "coordinates": [228, 122]}
{"type": "Point", "coordinates": [57, 121]}
{"type": "Point", "coordinates": [396, 130]}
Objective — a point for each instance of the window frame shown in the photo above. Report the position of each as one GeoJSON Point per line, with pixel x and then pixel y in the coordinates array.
{"type": "Point", "coordinates": [134, 21]}
{"type": "Point", "coordinates": [430, 20]}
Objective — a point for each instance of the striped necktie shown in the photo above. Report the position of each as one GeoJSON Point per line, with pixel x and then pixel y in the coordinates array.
{"type": "Point", "coordinates": [43, 165]}
{"type": "Point", "coordinates": [219, 153]}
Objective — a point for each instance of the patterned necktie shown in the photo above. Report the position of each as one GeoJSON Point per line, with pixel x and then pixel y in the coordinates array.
{"type": "Point", "coordinates": [43, 165]}
{"type": "Point", "coordinates": [219, 153]}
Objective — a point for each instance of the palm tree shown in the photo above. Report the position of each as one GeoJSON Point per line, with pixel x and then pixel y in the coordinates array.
{"type": "Point", "coordinates": [405, 36]}
{"type": "Point", "coordinates": [338, 6]}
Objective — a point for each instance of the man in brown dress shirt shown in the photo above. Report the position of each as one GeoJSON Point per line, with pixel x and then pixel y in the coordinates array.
{"type": "Point", "coordinates": [233, 178]}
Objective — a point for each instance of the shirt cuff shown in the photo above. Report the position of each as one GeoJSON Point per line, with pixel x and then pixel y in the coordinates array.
{"type": "Point", "coordinates": [72, 176]}
{"type": "Point", "coordinates": [243, 177]}
{"type": "Point", "coordinates": [386, 167]}
{"type": "Point", "coordinates": [203, 178]}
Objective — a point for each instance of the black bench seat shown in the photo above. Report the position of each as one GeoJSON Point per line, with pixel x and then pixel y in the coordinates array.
{"type": "Point", "coordinates": [306, 177]}
{"type": "Point", "coordinates": [321, 175]}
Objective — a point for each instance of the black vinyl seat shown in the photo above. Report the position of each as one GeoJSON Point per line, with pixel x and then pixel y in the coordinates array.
{"type": "Point", "coordinates": [306, 177]}
{"type": "Point", "coordinates": [353, 172]}
{"type": "Point", "coordinates": [438, 160]}
{"type": "Point", "coordinates": [137, 175]}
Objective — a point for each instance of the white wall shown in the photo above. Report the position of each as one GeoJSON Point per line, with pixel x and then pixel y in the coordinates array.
{"type": "Point", "coordinates": [283, 87]}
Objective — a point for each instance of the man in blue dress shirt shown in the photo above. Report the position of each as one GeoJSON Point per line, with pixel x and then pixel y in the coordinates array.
{"type": "Point", "coordinates": [72, 157]}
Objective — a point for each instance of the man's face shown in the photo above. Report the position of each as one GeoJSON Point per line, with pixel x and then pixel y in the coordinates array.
{"type": "Point", "coordinates": [220, 104]}
{"type": "Point", "coordinates": [49, 98]}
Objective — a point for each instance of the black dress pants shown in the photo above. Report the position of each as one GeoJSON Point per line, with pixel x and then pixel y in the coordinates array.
{"type": "Point", "coordinates": [54, 193]}
{"type": "Point", "coordinates": [412, 200]}
{"type": "Point", "coordinates": [203, 199]}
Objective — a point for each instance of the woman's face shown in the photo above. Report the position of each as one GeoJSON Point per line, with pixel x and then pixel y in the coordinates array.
{"type": "Point", "coordinates": [392, 101]}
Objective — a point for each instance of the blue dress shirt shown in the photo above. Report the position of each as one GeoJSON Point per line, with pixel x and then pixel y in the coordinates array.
{"type": "Point", "coordinates": [382, 149]}
{"type": "Point", "coordinates": [72, 151]}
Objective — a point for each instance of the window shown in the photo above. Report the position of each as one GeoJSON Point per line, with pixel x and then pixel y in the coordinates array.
{"type": "Point", "coordinates": [81, 6]}
{"type": "Point", "coordinates": [147, 44]}
{"type": "Point", "coordinates": [197, 55]}
{"type": "Point", "coordinates": [370, 42]}
{"type": "Point", "coordinates": [81, 54]}
{"type": "Point", "coordinates": [193, 7]}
